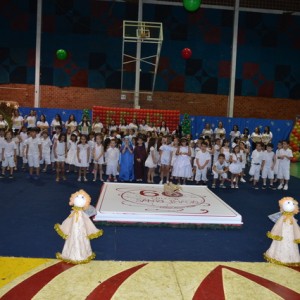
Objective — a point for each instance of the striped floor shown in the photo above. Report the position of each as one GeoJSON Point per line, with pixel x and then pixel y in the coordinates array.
{"type": "Point", "coordinates": [26, 278]}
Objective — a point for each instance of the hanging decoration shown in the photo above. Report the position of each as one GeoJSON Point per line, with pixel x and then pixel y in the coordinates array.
{"type": "Point", "coordinates": [61, 54]}
{"type": "Point", "coordinates": [186, 53]}
{"type": "Point", "coordinates": [191, 5]}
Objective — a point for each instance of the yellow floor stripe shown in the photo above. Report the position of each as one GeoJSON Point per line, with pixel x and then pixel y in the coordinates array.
{"type": "Point", "coordinates": [13, 267]}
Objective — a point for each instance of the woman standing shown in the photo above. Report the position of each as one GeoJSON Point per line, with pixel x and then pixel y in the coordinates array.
{"type": "Point", "coordinates": [42, 123]}
{"type": "Point", "coordinates": [17, 121]}
{"type": "Point", "coordinates": [220, 132]}
{"type": "Point", "coordinates": [97, 126]}
{"type": "Point", "coordinates": [207, 131]}
{"type": "Point", "coordinates": [84, 126]}
{"type": "Point", "coordinates": [255, 137]}
{"type": "Point", "coordinates": [71, 123]}
{"type": "Point", "coordinates": [56, 122]}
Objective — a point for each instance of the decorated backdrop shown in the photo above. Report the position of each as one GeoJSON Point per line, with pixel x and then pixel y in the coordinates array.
{"type": "Point", "coordinates": [280, 128]}
{"type": "Point", "coordinates": [106, 114]}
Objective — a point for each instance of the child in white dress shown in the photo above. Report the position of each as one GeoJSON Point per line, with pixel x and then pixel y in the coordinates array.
{"type": "Point", "coordinates": [60, 154]}
{"type": "Point", "coordinates": [182, 166]}
{"type": "Point", "coordinates": [112, 160]}
{"type": "Point", "coordinates": [217, 149]}
{"type": "Point", "coordinates": [91, 143]}
{"type": "Point", "coordinates": [175, 145]}
{"type": "Point", "coordinates": [8, 153]}
{"type": "Point", "coordinates": [150, 162]}
{"type": "Point", "coordinates": [192, 145]}
{"type": "Point", "coordinates": [83, 157]}
{"type": "Point", "coordinates": [279, 146]}
{"type": "Point", "coordinates": [58, 130]}
{"type": "Point", "coordinates": [16, 139]}
{"type": "Point", "coordinates": [226, 150]}
{"type": "Point", "coordinates": [165, 152]}
{"type": "Point", "coordinates": [71, 159]}
{"type": "Point", "coordinates": [98, 156]}
{"type": "Point", "coordinates": [244, 151]}
{"type": "Point", "coordinates": [46, 149]}
{"type": "Point", "coordinates": [235, 166]}
{"type": "Point", "coordinates": [23, 136]}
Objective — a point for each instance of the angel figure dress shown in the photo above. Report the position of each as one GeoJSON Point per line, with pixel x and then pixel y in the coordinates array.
{"type": "Point", "coordinates": [285, 234]}
{"type": "Point", "coordinates": [78, 230]}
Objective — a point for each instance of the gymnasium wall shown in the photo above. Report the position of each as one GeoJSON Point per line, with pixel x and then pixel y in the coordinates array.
{"type": "Point", "coordinates": [193, 104]}
{"type": "Point", "coordinates": [268, 65]}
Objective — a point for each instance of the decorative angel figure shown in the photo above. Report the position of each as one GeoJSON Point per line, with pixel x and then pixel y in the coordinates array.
{"type": "Point", "coordinates": [78, 230]}
{"type": "Point", "coordinates": [285, 234]}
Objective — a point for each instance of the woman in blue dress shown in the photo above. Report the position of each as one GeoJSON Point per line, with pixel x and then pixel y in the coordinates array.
{"type": "Point", "coordinates": [126, 161]}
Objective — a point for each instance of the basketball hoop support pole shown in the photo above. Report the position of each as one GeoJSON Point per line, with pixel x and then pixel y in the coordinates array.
{"type": "Point", "coordinates": [230, 105]}
{"type": "Point", "coordinates": [138, 61]}
{"type": "Point", "coordinates": [38, 54]}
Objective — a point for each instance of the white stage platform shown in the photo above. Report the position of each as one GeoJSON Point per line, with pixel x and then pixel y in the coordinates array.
{"type": "Point", "coordinates": [147, 204]}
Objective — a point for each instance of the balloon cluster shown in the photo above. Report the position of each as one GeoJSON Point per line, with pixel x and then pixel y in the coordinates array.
{"type": "Point", "coordinates": [186, 124]}
{"type": "Point", "coordinates": [191, 5]}
{"type": "Point", "coordinates": [295, 141]}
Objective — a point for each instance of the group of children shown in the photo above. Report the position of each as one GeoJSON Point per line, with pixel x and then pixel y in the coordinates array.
{"type": "Point", "coordinates": [139, 156]}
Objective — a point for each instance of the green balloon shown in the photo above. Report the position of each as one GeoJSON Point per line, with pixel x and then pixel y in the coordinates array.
{"type": "Point", "coordinates": [61, 54]}
{"type": "Point", "coordinates": [191, 5]}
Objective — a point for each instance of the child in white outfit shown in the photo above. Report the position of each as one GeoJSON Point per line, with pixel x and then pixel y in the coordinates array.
{"type": "Point", "coordinates": [83, 157]}
{"type": "Point", "coordinates": [256, 164]}
{"type": "Point", "coordinates": [98, 156]}
{"type": "Point", "coordinates": [8, 153]}
{"type": "Point", "coordinates": [235, 166]}
{"type": "Point", "coordinates": [34, 153]}
{"type": "Point", "coordinates": [60, 154]}
{"type": "Point", "coordinates": [202, 162]}
{"type": "Point", "coordinates": [112, 160]}
{"type": "Point", "coordinates": [268, 164]}
{"type": "Point", "coordinates": [46, 150]}
{"type": "Point", "coordinates": [71, 159]}
{"type": "Point", "coordinates": [285, 156]}
{"type": "Point", "coordinates": [165, 152]}
{"type": "Point", "coordinates": [220, 169]}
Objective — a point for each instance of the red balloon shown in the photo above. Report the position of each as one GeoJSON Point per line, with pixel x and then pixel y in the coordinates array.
{"type": "Point", "coordinates": [186, 53]}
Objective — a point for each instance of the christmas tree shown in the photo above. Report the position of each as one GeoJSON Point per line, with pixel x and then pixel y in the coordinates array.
{"type": "Point", "coordinates": [186, 124]}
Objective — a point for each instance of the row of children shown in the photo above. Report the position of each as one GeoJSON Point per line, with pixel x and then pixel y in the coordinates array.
{"type": "Point", "coordinates": [132, 158]}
